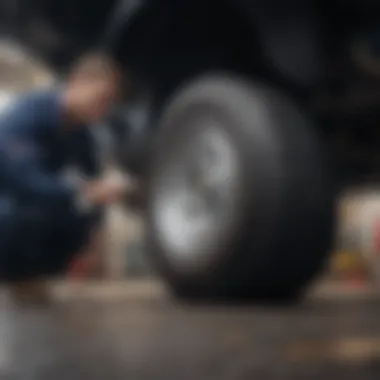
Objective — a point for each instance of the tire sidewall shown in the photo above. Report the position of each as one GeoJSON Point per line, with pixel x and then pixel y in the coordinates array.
{"type": "Point", "coordinates": [251, 121]}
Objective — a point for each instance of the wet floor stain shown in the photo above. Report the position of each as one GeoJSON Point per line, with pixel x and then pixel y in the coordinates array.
{"type": "Point", "coordinates": [346, 350]}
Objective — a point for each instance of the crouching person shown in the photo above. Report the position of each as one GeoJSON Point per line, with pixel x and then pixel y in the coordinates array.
{"type": "Point", "coordinates": [45, 220]}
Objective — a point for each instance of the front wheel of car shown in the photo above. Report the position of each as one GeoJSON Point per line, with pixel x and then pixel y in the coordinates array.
{"type": "Point", "coordinates": [239, 199]}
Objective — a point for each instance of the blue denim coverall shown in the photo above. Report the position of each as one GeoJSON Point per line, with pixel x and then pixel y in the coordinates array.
{"type": "Point", "coordinates": [40, 226]}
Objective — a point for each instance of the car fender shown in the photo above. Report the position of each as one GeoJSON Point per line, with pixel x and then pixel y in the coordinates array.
{"type": "Point", "coordinates": [290, 37]}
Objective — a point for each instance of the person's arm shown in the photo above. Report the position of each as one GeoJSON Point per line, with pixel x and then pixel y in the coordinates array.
{"type": "Point", "coordinates": [86, 157]}
{"type": "Point", "coordinates": [22, 175]}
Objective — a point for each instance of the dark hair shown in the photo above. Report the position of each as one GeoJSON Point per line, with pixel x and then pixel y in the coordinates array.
{"type": "Point", "coordinates": [99, 62]}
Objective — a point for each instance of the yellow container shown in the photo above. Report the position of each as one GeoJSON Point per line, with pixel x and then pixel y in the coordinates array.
{"type": "Point", "coordinates": [346, 265]}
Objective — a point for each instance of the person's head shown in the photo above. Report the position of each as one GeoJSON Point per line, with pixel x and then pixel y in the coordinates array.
{"type": "Point", "coordinates": [93, 85]}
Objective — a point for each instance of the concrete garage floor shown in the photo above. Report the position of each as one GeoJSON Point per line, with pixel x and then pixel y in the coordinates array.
{"type": "Point", "coordinates": [145, 335]}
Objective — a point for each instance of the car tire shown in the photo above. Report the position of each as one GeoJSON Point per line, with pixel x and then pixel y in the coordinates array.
{"type": "Point", "coordinates": [239, 197]}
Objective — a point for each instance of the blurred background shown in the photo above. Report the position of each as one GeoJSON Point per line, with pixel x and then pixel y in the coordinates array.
{"type": "Point", "coordinates": [115, 318]}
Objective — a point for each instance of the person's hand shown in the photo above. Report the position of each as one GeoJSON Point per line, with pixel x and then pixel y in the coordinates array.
{"type": "Point", "coordinates": [105, 191]}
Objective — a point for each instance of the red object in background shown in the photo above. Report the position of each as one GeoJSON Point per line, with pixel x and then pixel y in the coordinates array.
{"type": "Point", "coordinates": [79, 268]}
{"type": "Point", "coordinates": [88, 263]}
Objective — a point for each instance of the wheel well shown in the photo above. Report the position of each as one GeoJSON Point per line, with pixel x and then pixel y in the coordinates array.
{"type": "Point", "coordinates": [171, 44]}
{"type": "Point", "coordinates": [164, 47]}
